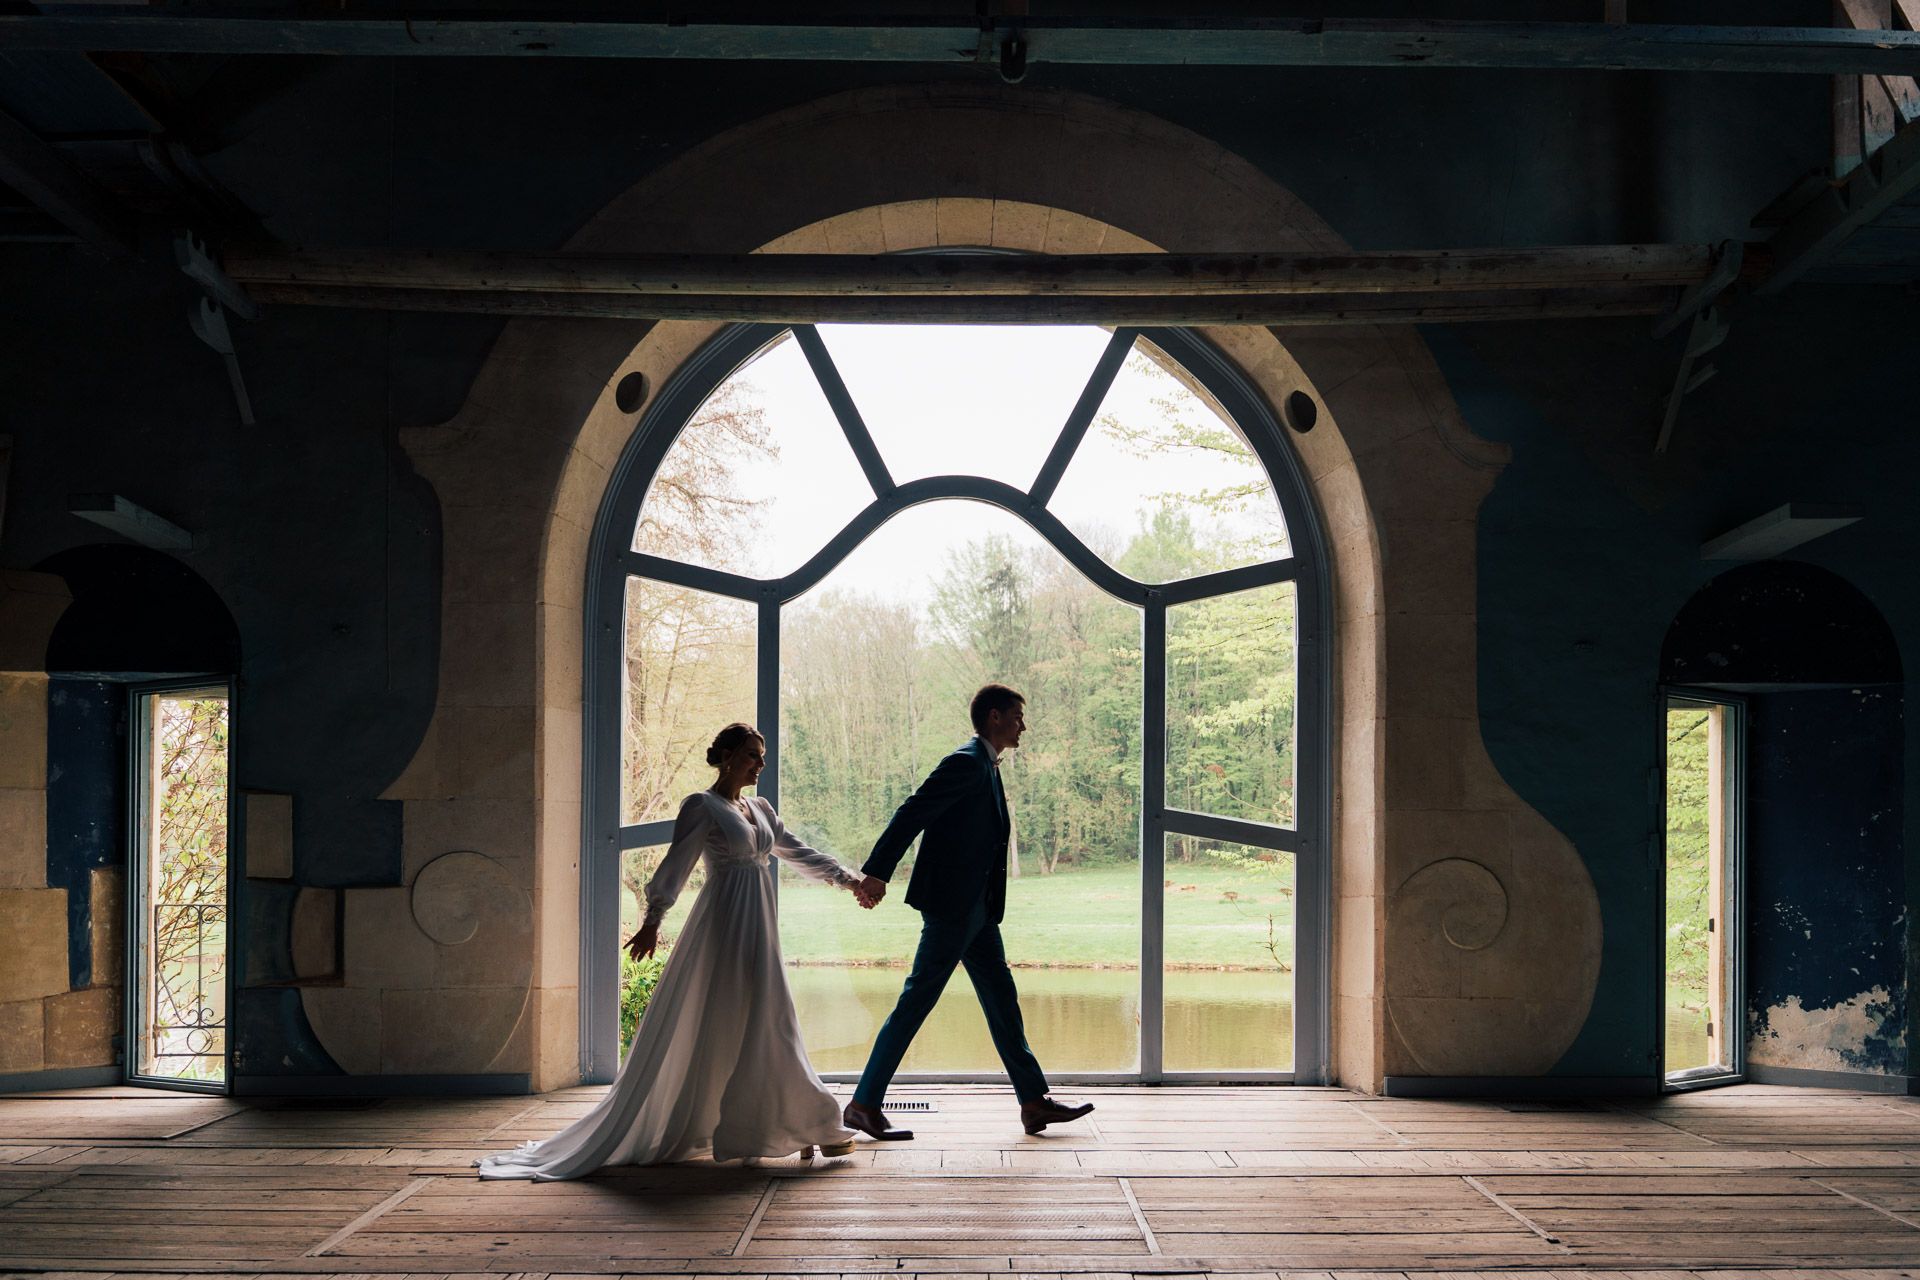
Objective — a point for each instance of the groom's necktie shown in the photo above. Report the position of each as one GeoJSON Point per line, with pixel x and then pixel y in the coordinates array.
{"type": "Point", "coordinates": [999, 791]}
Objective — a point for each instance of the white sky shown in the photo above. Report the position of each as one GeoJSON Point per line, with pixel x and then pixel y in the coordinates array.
{"type": "Point", "coordinates": [963, 399]}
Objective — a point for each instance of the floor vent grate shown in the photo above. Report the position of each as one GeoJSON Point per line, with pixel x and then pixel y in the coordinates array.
{"type": "Point", "coordinates": [916, 1105]}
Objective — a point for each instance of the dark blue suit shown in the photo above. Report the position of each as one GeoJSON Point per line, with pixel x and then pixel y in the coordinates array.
{"type": "Point", "coordinates": [959, 887]}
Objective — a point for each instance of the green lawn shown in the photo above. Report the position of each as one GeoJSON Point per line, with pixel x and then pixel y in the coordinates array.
{"type": "Point", "coordinates": [1082, 918]}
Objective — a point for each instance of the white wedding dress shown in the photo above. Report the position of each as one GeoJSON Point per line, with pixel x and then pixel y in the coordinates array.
{"type": "Point", "coordinates": [716, 1067]}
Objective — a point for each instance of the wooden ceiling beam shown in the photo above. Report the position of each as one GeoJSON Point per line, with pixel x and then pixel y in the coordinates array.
{"type": "Point", "coordinates": [1009, 276]}
{"type": "Point", "coordinates": [1065, 41]}
{"type": "Point", "coordinates": [1274, 310]}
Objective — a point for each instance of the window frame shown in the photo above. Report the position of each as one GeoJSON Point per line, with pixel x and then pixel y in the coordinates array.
{"type": "Point", "coordinates": [611, 561]}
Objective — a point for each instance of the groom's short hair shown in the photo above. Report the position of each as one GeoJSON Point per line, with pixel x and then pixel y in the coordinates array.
{"type": "Point", "coordinates": [992, 698]}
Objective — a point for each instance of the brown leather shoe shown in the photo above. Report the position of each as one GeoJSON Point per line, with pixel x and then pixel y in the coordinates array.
{"type": "Point", "coordinates": [869, 1121]}
{"type": "Point", "coordinates": [1035, 1116]}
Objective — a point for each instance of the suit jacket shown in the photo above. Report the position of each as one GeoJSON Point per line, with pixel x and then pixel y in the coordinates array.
{"type": "Point", "coordinates": [964, 854]}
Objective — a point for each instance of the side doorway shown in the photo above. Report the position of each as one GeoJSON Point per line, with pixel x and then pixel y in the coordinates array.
{"type": "Point", "coordinates": [179, 939]}
{"type": "Point", "coordinates": [1703, 864]}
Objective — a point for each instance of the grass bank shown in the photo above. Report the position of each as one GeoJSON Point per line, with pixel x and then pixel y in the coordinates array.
{"type": "Point", "coordinates": [1216, 917]}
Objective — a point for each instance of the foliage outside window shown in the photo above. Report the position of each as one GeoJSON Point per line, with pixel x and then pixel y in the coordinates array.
{"type": "Point", "coordinates": [186, 881]}
{"type": "Point", "coordinates": [1689, 849]}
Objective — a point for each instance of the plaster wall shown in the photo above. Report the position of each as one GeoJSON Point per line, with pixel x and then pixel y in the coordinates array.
{"type": "Point", "coordinates": [1442, 876]}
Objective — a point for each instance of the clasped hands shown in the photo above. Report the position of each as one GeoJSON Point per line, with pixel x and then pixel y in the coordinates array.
{"type": "Point", "coordinates": [868, 890]}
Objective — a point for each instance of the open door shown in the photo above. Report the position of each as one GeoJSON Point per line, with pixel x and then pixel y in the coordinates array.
{"type": "Point", "coordinates": [1703, 1040]}
{"type": "Point", "coordinates": [179, 940]}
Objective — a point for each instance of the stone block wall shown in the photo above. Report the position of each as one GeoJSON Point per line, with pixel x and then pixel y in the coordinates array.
{"type": "Point", "coordinates": [47, 1023]}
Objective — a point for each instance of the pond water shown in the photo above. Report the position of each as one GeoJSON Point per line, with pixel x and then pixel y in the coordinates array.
{"type": "Point", "coordinates": [1686, 1038]}
{"type": "Point", "coordinates": [1077, 1019]}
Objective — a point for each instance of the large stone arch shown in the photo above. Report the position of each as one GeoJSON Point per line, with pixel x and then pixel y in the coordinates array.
{"type": "Point", "coordinates": [1465, 929]}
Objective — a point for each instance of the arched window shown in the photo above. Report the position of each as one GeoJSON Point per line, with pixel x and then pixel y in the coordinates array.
{"type": "Point", "coordinates": [838, 532]}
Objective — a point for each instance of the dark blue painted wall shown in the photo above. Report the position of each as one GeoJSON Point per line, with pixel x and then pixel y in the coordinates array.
{"type": "Point", "coordinates": [1589, 549]}
{"type": "Point", "coordinates": [1826, 901]}
{"type": "Point", "coordinates": [1820, 674]}
{"type": "Point", "coordinates": [86, 807]}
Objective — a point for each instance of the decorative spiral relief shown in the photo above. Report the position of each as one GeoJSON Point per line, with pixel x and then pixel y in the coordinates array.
{"type": "Point", "coordinates": [1466, 899]}
{"type": "Point", "coordinates": [451, 895]}
{"type": "Point", "coordinates": [436, 973]}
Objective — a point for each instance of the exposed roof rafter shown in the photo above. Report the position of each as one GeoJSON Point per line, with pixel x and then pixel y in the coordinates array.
{"type": "Point", "coordinates": [33, 167]}
{"type": "Point", "coordinates": [1091, 41]}
{"type": "Point", "coordinates": [1811, 235]}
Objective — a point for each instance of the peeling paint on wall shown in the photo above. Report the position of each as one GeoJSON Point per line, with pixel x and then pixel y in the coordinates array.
{"type": "Point", "coordinates": [1827, 920]}
{"type": "Point", "coordinates": [1865, 1033]}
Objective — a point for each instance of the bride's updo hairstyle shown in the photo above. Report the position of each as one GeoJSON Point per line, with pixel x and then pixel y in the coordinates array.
{"type": "Point", "coordinates": [730, 740]}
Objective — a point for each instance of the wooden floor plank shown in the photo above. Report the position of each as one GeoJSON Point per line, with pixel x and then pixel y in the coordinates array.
{"type": "Point", "coordinates": [1243, 1183]}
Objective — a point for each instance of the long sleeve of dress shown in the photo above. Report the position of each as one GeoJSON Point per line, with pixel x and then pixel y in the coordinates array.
{"type": "Point", "coordinates": [677, 864]}
{"type": "Point", "coordinates": [804, 858]}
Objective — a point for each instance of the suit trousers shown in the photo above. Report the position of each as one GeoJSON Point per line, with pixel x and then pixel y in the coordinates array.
{"type": "Point", "coordinates": [945, 941]}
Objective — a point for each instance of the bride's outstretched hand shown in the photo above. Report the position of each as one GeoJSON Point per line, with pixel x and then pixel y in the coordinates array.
{"type": "Point", "coordinates": [643, 942]}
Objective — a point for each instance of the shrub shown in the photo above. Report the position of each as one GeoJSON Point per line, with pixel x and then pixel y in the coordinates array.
{"type": "Point", "coordinates": [637, 980]}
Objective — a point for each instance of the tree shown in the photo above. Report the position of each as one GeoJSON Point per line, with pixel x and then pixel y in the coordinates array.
{"type": "Point", "coordinates": [982, 610]}
{"type": "Point", "coordinates": [1689, 836]}
{"type": "Point", "coordinates": [862, 719]}
{"type": "Point", "coordinates": [690, 655]}
{"type": "Point", "coordinates": [1231, 684]}
{"type": "Point", "coordinates": [694, 509]}
{"type": "Point", "coordinates": [189, 887]}
{"type": "Point", "coordinates": [1230, 659]}
{"type": "Point", "coordinates": [1243, 504]}
{"type": "Point", "coordinates": [1078, 776]}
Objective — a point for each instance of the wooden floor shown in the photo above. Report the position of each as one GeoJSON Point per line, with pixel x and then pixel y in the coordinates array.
{"type": "Point", "coordinates": [1248, 1182]}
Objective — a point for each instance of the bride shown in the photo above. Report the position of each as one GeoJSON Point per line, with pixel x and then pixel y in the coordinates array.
{"type": "Point", "coordinates": [716, 1067]}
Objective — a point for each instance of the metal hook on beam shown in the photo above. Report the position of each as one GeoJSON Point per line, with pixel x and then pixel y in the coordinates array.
{"type": "Point", "coordinates": [1708, 332]}
{"type": "Point", "coordinates": [208, 317]}
{"type": "Point", "coordinates": [210, 326]}
{"type": "Point", "coordinates": [1727, 259]}
{"type": "Point", "coordinates": [197, 264]}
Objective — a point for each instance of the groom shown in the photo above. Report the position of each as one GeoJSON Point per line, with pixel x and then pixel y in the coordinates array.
{"type": "Point", "coordinates": [959, 887]}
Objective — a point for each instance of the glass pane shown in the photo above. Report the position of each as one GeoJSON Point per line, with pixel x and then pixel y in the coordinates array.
{"type": "Point", "coordinates": [1695, 875]}
{"type": "Point", "coordinates": [986, 400]}
{"type": "Point", "coordinates": [637, 978]}
{"type": "Point", "coordinates": [1164, 487]}
{"type": "Point", "coordinates": [878, 665]}
{"type": "Point", "coordinates": [1229, 949]}
{"type": "Point", "coordinates": [689, 671]}
{"type": "Point", "coordinates": [1231, 689]}
{"type": "Point", "coordinates": [760, 478]}
{"type": "Point", "coordinates": [184, 950]}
